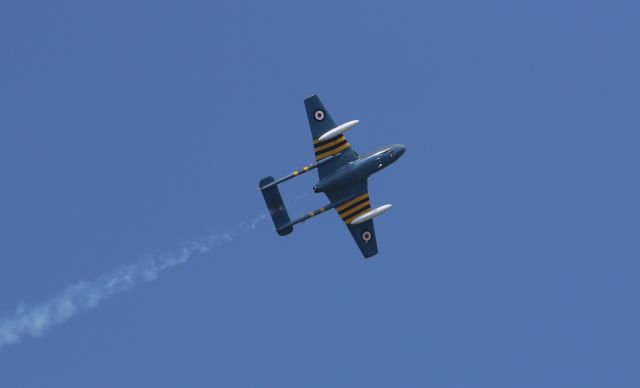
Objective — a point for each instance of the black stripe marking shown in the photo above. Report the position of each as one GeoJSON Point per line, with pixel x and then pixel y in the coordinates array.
{"type": "Point", "coordinates": [324, 147]}
{"type": "Point", "coordinates": [341, 137]}
{"type": "Point", "coordinates": [346, 209]}
{"type": "Point", "coordinates": [333, 147]}
{"type": "Point", "coordinates": [362, 209]}
{"type": "Point", "coordinates": [357, 214]}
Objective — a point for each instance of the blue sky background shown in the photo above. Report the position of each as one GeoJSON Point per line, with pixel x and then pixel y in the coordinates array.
{"type": "Point", "coordinates": [510, 258]}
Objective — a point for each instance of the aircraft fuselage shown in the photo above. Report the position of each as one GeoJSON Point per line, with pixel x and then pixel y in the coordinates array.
{"type": "Point", "coordinates": [361, 168]}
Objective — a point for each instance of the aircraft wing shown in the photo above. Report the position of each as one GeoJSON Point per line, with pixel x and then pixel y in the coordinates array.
{"type": "Point", "coordinates": [320, 122]}
{"type": "Point", "coordinates": [364, 233]}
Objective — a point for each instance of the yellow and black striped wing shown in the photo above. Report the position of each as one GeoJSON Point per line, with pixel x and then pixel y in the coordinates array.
{"type": "Point", "coordinates": [354, 208]}
{"type": "Point", "coordinates": [364, 234]}
{"type": "Point", "coordinates": [320, 122]}
{"type": "Point", "coordinates": [330, 147]}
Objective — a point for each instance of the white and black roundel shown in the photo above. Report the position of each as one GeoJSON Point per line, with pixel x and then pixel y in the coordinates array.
{"type": "Point", "coordinates": [318, 115]}
{"type": "Point", "coordinates": [366, 236]}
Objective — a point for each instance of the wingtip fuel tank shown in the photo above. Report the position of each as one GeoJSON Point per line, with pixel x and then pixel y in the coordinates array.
{"type": "Point", "coordinates": [373, 213]}
{"type": "Point", "coordinates": [340, 129]}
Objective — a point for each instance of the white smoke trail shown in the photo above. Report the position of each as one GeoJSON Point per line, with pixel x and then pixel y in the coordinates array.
{"type": "Point", "coordinates": [85, 295]}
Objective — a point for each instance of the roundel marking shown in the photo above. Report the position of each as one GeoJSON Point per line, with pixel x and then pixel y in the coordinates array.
{"type": "Point", "coordinates": [366, 236]}
{"type": "Point", "coordinates": [318, 115]}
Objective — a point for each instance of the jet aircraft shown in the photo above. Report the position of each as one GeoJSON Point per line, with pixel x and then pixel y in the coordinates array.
{"type": "Point", "coordinates": [343, 177]}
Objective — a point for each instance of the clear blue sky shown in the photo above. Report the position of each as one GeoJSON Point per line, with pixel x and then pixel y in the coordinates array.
{"type": "Point", "coordinates": [509, 259]}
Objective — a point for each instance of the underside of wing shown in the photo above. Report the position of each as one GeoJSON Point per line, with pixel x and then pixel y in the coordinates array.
{"type": "Point", "coordinates": [356, 203]}
{"type": "Point", "coordinates": [364, 235]}
{"type": "Point", "coordinates": [320, 122]}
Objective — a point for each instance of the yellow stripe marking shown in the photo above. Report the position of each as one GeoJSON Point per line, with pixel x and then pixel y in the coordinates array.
{"type": "Point", "coordinates": [295, 173]}
{"type": "Point", "coordinates": [332, 143]}
{"type": "Point", "coordinates": [345, 215]}
{"type": "Point", "coordinates": [312, 214]}
{"type": "Point", "coordinates": [306, 168]}
{"type": "Point", "coordinates": [322, 209]}
{"type": "Point", "coordinates": [356, 216]}
{"type": "Point", "coordinates": [332, 152]}
{"type": "Point", "coordinates": [356, 199]}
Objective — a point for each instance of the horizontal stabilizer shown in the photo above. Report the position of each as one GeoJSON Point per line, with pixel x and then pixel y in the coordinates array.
{"type": "Point", "coordinates": [276, 207]}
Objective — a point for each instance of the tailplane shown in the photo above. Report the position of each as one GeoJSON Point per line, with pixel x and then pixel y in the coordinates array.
{"type": "Point", "coordinates": [276, 207]}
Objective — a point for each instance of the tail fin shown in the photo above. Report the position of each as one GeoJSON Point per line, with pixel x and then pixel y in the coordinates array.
{"type": "Point", "coordinates": [276, 207]}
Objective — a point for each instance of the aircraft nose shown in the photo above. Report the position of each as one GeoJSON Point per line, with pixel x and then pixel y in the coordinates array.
{"type": "Point", "coordinates": [400, 149]}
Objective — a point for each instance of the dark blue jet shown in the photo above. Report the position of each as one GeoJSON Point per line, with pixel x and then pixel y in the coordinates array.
{"type": "Point", "coordinates": [343, 178]}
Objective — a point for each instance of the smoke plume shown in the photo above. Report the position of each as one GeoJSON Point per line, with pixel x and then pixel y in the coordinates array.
{"type": "Point", "coordinates": [35, 320]}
